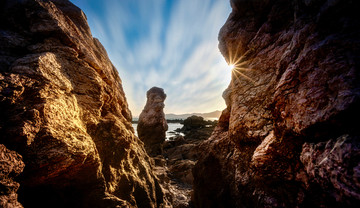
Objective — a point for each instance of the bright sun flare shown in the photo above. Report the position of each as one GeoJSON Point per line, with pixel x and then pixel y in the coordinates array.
{"type": "Point", "coordinates": [231, 66]}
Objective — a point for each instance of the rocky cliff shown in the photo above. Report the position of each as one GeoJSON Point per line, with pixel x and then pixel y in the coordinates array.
{"type": "Point", "coordinates": [152, 124]}
{"type": "Point", "coordinates": [289, 135]}
{"type": "Point", "coordinates": [64, 111]}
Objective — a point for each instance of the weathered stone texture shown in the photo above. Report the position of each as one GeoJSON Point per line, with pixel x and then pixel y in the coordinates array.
{"type": "Point", "coordinates": [11, 165]}
{"type": "Point", "coordinates": [64, 110]}
{"type": "Point", "coordinates": [295, 88]}
{"type": "Point", "coordinates": [152, 124]}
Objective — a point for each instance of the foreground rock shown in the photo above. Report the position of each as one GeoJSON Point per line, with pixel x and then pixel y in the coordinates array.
{"type": "Point", "coordinates": [64, 111]}
{"type": "Point", "coordinates": [152, 124]}
{"type": "Point", "coordinates": [175, 166]}
{"type": "Point", "coordinates": [182, 152]}
{"type": "Point", "coordinates": [288, 136]}
{"type": "Point", "coordinates": [11, 165]}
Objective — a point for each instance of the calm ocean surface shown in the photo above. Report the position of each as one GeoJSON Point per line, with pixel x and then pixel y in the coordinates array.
{"type": "Point", "coordinates": [172, 127]}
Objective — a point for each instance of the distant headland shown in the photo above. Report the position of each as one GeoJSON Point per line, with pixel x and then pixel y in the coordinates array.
{"type": "Point", "coordinates": [171, 116]}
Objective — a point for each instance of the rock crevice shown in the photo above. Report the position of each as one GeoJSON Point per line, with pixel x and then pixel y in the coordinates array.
{"type": "Point", "coordinates": [66, 114]}
{"type": "Point", "coordinates": [293, 93]}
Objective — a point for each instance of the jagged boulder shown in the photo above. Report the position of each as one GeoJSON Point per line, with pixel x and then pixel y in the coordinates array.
{"type": "Point", "coordinates": [64, 111]}
{"type": "Point", "coordinates": [11, 165]}
{"type": "Point", "coordinates": [152, 124]}
{"type": "Point", "coordinates": [333, 165]}
{"type": "Point", "coordinates": [291, 107]}
{"type": "Point", "coordinates": [194, 122]}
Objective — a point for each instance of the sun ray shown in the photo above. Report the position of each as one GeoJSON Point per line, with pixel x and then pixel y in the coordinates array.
{"type": "Point", "coordinates": [244, 69]}
{"type": "Point", "coordinates": [240, 63]}
{"type": "Point", "coordinates": [235, 72]}
{"type": "Point", "coordinates": [237, 64]}
{"type": "Point", "coordinates": [231, 66]}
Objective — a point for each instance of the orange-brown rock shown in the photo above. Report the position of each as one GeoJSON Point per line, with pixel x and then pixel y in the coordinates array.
{"type": "Point", "coordinates": [292, 107]}
{"type": "Point", "coordinates": [64, 111]}
{"type": "Point", "coordinates": [152, 124]}
{"type": "Point", "coordinates": [11, 165]}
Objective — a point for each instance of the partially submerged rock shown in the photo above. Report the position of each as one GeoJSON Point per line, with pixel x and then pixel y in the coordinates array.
{"type": "Point", "coordinates": [194, 122]}
{"type": "Point", "coordinates": [181, 154]}
{"type": "Point", "coordinates": [152, 124]}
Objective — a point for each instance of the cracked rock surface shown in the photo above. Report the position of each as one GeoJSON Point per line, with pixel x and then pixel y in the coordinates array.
{"type": "Point", "coordinates": [152, 124]}
{"type": "Point", "coordinates": [11, 165]}
{"type": "Point", "coordinates": [64, 111]}
{"type": "Point", "coordinates": [292, 107]}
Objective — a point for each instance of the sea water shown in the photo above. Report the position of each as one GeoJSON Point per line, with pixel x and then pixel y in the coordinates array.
{"type": "Point", "coordinates": [169, 133]}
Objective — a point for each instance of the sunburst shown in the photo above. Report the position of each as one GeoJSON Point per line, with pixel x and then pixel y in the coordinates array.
{"type": "Point", "coordinates": [231, 66]}
{"type": "Point", "coordinates": [238, 65]}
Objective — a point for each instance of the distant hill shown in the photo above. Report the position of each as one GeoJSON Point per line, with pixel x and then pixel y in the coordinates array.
{"type": "Point", "coordinates": [207, 116]}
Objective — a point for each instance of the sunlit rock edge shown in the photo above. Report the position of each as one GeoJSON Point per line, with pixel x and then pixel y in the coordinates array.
{"type": "Point", "coordinates": [64, 113]}
{"type": "Point", "coordinates": [289, 136]}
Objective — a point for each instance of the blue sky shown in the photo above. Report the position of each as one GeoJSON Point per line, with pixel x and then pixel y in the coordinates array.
{"type": "Point", "coordinates": [170, 44]}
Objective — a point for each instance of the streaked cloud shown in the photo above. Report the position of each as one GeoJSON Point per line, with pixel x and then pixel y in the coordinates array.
{"type": "Point", "coordinates": [169, 44]}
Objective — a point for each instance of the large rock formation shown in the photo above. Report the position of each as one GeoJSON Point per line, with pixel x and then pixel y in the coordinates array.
{"type": "Point", "coordinates": [289, 135]}
{"type": "Point", "coordinates": [152, 124]}
{"type": "Point", "coordinates": [64, 111]}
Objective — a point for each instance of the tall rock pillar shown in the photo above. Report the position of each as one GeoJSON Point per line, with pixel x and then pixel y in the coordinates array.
{"type": "Point", "coordinates": [152, 124]}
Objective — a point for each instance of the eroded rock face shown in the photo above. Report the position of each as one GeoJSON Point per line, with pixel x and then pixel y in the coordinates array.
{"type": "Point", "coordinates": [334, 164]}
{"type": "Point", "coordinates": [152, 124]}
{"type": "Point", "coordinates": [294, 91]}
{"type": "Point", "coordinates": [64, 111]}
{"type": "Point", "coordinates": [11, 165]}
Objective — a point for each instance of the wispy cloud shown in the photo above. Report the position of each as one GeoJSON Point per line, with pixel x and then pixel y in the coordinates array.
{"type": "Point", "coordinates": [169, 44]}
